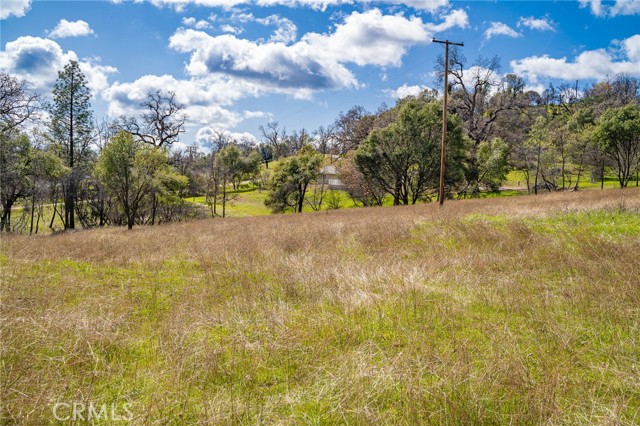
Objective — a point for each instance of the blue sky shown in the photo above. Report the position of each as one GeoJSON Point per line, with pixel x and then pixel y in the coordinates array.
{"type": "Point", "coordinates": [237, 64]}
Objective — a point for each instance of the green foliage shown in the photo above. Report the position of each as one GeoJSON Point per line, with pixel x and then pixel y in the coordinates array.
{"type": "Point", "coordinates": [492, 164]}
{"type": "Point", "coordinates": [71, 115]}
{"type": "Point", "coordinates": [15, 161]}
{"type": "Point", "coordinates": [290, 180]}
{"type": "Point", "coordinates": [403, 158]}
{"type": "Point", "coordinates": [130, 172]}
{"type": "Point", "coordinates": [71, 130]}
{"type": "Point", "coordinates": [618, 135]}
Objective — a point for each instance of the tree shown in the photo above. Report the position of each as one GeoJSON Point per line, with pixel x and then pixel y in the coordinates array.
{"type": "Point", "coordinates": [129, 172]}
{"type": "Point", "coordinates": [71, 131]}
{"type": "Point", "coordinates": [325, 140]}
{"type": "Point", "coordinates": [492, 164]}
{"type": "Point", "coordinates": [15, 158]}
{"type": "Point", "coordinates": [275, 137]}
{"type": "Point", "coordinates": [266, 153]}
{"type": "Point", "coordinates": [615, 92]}
{"type": "Point", "coordinates": [227, 167]}
{"type": "Point", "coordinates": [162, 122]}
{"type": "Point", "coordinates": [618, 135]}
{"type": "Point", "coordinates": [45, 170]}
{"type": "Point", "coordinates": [290, 180]}
{"type": "Point", "coordinates": [295, 141]}
{"type": "Point", "coordinates": [17, 105]}
{"type": "Point", "coordinates": [479, 97]}
{"type": "Point", "coordinates": [541, 156]}
{"type": "Point", "coordinates": [360, 189]}
{"type": "Point", "coordinates": [403, 158]}
{"type": "Point", "coordinates": [351, 129]}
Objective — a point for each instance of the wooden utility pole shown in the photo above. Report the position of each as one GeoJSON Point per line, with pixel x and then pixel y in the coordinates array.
{"type": "Point", "coordinates": [443, 153]}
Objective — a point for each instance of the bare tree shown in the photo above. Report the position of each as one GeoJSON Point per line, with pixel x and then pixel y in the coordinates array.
{"type": "Point", "coordinates": [161, 124]}
{"type": "Point", "coordinates": [275, 137]}
{"type": "Point", "coordinates": [16, 103]}
{"type": "Point", "coordinates": [296, 141]}
{"type": "Point", "coordinates": [220, 139]}
{"type": "Point", "coordinates": [352, 128]}
{"type": "Point", "coordinates": [325, 139]}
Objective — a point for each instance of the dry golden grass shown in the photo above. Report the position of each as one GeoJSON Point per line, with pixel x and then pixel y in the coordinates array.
{"type": "Point", "coordinates": [519, 310]}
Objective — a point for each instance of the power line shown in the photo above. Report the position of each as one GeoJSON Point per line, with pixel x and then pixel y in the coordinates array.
{"type": "Point", "coordinates": [443, 152]}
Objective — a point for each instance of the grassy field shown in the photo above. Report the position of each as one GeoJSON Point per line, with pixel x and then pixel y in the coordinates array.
{"type": "Point", "coordinates": [516, 310]}
{"type": "Point", "coordinates": [516, 179]}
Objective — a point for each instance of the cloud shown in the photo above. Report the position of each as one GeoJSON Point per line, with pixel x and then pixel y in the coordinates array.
{"type": "Point", "coordinates": [589, 65]}
{"type": "Point", "coordinates": [207, 100]}
{"type": "Point", "coordinates": [620, 7]}
{"type": "Point", "coordinates": [17, 8]}
{"type": "Point", "coordinates": [286, 31]}
{"type": "Point", "coordinates": [540, 24]}
{"type": "Point", "coordinates": [207, 137]}
{"type": "Point", "coordinates": [315, 62]}
{"type": "Point", "coordinates": [498, 28]}
{"type": "Point", "coordinates": [231, 29]}
{"type": "Point", "coordinates": [38, 60]}
{"type": "Point", "coordinates": [455, 18]}
{"type": "Point", "coordinates": [272, 64]}
{"type": "Point", "coordinates": [406, 90]}
{"type": "Point", "coordinates": [192, 22]}
{"type": "Point", "coordinates": [594, 5]}
{"type": "Point", "coordinates": [625, 7]}
{"type": "Point", "coordinates": [424, 5]}
{"type": "Point", "coordinates": [70, 29]}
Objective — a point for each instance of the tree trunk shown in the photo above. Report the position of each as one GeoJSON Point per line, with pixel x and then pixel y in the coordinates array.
{"type": "Point", "coordinates": [5, 222]}
{"type": "Point", "coordinates": [224, 197]}
{"type": "Point", "coordinates": [71, 196]}
{"type": "Point", "coordinates": [33, 207]}
{"type": "Point", "coordinates": [154, 205]}
{"type": "Point", "coordinates": [55, 207]}
{"type": "Point", "coordinates": [38, 219]}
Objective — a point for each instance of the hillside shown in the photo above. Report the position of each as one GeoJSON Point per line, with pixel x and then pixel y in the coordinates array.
{"type": "Point", "coordinates": [517, 310]}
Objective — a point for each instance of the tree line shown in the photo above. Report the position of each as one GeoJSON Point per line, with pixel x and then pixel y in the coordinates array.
{"type": "Point", "coordinates": [62, 169]}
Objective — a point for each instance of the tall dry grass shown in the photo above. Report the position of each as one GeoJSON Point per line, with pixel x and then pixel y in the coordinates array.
{"type": "Point", "coordinates": [498, 311]}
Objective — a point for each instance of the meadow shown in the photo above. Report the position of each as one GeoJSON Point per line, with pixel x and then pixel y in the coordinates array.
{"type": "Point", "coordinates": [515, 310]}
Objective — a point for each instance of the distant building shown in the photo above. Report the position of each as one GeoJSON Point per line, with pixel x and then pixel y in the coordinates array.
{"type": "Point", "coordinates": [330, 177]}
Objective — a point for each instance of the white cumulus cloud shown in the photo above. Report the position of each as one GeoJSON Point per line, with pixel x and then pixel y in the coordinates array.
{"type": "Point", "coordinates": [38, 60]}
{"type": "Point", "coordinates": [207, 100]}
{"type": "Point", "coordinates": [208, 137]}
{"type": "Point", "coordinates": [423, 5]}
{"type": "Point", "coordinates": [70, 29]}
{"type": "Point", "coordinates": [406, 90]}
{"type": "Point", "coordinates": [193, 22]}
{"type": "Point", "coordinates": [626, 7]}
{"type": "Point", "coordinates": [620, 7]}
{"type": "Point", "coordinates": [589, 65]}
{"type": "Point", "coordinates": [317, 61]}
{"type": "Point", "coordinates": [17, 8]}
{"type": "Point", "coordinates": [286, 31]}
{"type": "Point", "coordinates": [499, 28]}
{"type": "Point", "coordinates": [455, 18]}
{"type": "Point", "coordinates": [540, 24]}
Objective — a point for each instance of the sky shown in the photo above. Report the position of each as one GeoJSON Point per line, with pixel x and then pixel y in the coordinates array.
{"type": "Point", "coordinates": [239, 64]}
